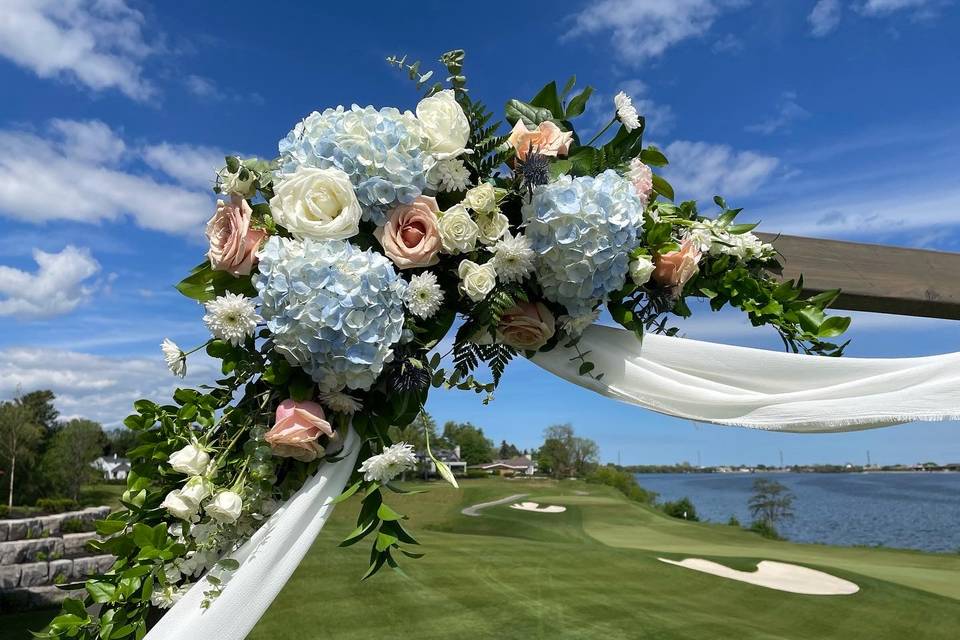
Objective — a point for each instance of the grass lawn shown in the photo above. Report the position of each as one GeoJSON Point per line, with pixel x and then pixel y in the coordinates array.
{"type": "Point", "coordinates": [592, 572]}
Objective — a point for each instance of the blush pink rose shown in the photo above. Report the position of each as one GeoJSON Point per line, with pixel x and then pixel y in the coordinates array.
{"type": "Point", "coordinates": [674, 269]}
{"type": "Point", "coordinates": [410, 237]}
{"type": "Point", "coordinates": [298, 427]}
{"type": "Point", "coordinates": [527, 326]}
{"type": "Point", "coordinates": [233, 244]}
{"type": "Point", "coordinates": [547, 139]}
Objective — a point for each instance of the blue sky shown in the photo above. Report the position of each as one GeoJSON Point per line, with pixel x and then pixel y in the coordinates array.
{"type": "Point", "coordinates": [826, 118]}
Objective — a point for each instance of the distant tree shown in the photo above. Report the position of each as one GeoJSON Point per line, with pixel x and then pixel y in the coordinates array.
{"type": "Point", "coordinates": [68, 460]}
{"type": "Point", "coordinates": [41, 407]}
{"type": "Point", "coordinates": [507, 451]}
{"type": "Point", "coordinates": [20, 437]}
{"type": "Point", "coordinates": [770, 503]}
{"type": "Point", "coordinates": [682, 508]}
{"type": "Point", "coordinates": [417, 431]}
{"type": "Point", "coordinates": [475, 448]}
{"type": "Point", "coordinates": [563, 454]}
{"type": "Point", "coordinates": [120, 441]}
{"type": "Point", "coordinates": [585, 454]}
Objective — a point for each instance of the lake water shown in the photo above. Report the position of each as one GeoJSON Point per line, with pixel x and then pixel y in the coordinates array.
{"type": "Point", "coordinates": [905, 510]}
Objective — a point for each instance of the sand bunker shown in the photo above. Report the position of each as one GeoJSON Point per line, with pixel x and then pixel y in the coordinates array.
{"type": "Point", "coordinates": [776, 575]}
{"type": "Point", "coordinates": [533, 506]}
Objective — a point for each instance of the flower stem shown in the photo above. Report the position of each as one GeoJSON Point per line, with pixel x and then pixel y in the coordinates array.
{"type": "Point", "coordinates": [602, 131]}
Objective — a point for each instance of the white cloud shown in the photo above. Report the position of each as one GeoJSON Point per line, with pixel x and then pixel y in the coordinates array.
{"type": "Point", "coordinates": [76, 173]}
{"type": "Point", "coordinates": [58, 286]}
{"type": "Point", "coordinates": [201, 86]}
{"type": "Point", "coordinates": [701, 170]}
{"type": "Point", "coordinates": [644, 29]}
{"type": "Point", "coordinates": [97, 43]}
{"type": "Point", "coordinates": [884, 7]}
{"type": "Point", "coordinates": [97, 387]}
{"type": "Point", "coordinates": [824, 17]}
{"type": "Point", "coordinates": [788, 112]}
{"type": "Point", "coordinates": [188, 164]}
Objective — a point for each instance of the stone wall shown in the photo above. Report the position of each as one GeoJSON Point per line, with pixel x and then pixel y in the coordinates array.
{"type": "Point", "coordinates": [36, 555]}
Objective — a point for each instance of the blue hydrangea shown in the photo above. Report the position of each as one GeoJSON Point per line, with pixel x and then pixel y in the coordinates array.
{"type": "Point", "coordinates": [383, 152]}
{"type": "Point", "coordinates": [333, 309]}
{"type": "Point", "coordinates": [582, 230]}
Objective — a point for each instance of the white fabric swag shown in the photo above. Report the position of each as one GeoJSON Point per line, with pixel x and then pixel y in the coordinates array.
{"type": "Point", "coordinates": [695, 380]}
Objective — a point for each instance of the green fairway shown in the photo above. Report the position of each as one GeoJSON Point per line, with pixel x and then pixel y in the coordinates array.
{"type": "Point", "coordinates": [592, 572]}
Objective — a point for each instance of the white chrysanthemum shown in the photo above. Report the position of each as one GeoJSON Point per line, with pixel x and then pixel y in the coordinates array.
{"type": "Point", "coordinates": [231, 317]}
{"type": "Point", "coordinates": [450, 175]}
{"type": "Point", "coordinates": [746, 246]}
{"type": "Point", "coordinates": [626, 112]}
{"type": "Point", "coordinates": [513, 258]}
{"type": "Point", "coordinates": [175, 357]}
{"type": "Point", "coordinates": [340, 402]}
{"type": "Point", "coordinates": [386, 466]}
{"type": "Point", "coordinates": [573, 326]}
{"type": "Point", "coordinates": [424, 295]}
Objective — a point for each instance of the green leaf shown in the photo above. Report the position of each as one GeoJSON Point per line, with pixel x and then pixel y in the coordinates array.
{"type": "Point", "coordinates": [578, 103]}
{"type": "Point", "coordinates": [108, 527]}
{"type": "Point", "coordinates": [662, 187]}
{"type": "Point", "coordinates": [833, 327]}
{"type": "Point", "coordinates": [653, 157]}
{"type": "Point", "coordinates": [101, 591]}
{"type": "Point", "coordinates": [385, 513]}
{"type": "Point", "coordinates": [233, 163]}
{"type": "Point", "coordinates": [143, 535]}
{"type": "Point", "coordinates": [586, 368]}
{"type": "Point", "coordinates": [567, 88]}
{"type": "Point", "coordinates": [531, 115]}
{"type": "Point", "coordinates": [739, 229]}
{"type": "Point", "coordinates": [359, 533]}
{"type": "Point", "coordinates": [385, 541]}
{"type": "Point", "coordinates": [348, 492]}
{"type": "Point", "coordinates": [560, 167]}
{"type": "Point", "coordinates": [75, 607]}
{"type": "Point", "coordinates": [549, 98]}
{"type": "Point", "coordinates": [230, 564]}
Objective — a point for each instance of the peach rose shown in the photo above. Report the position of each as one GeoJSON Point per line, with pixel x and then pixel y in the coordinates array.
{"type": "Point", "coordinates": [547, 139]}
{"type": "Point", "coordinates": [298, 427]}
{"type": "Point", "coordinates": [674, 269]}
{"type": "Point", "coordinates": [527, 326]}
{"type": "Point", "coordinates": [410, 237]}
{"type": "Point", "coordinates": [233, 244]}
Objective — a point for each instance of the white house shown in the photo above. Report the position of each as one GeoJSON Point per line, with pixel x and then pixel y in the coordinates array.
{"type": "Point", "coordinates": [519, 466]}
{"type": "Point", "coordinates": [112, 467]}
{"type": "Point", "coordinates": [450, 457]}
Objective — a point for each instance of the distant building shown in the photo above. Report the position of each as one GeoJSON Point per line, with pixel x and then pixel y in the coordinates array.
{"type": "Point", "coordinates": [112, 467]}
{"type": "Point", "coordinates": [450, 457]}
{"type": "Point", "coordinates": [519, 466]}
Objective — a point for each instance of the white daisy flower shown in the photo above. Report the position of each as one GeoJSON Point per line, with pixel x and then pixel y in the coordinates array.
{"type": "Point", "coordinates": [231, 317]}
{"type": "Point", "coordinates": [513, 258]}
{"type": "Point", "coordinates": [340, 402]}
{"type": "Point", "coordinates": [450, 175]}
{"type": "Point", "coordinates": [387, 465]}
{"type": "Point", "coordinates": [175, 357]}
{"type": "Point", "coordinates": [626, 112]}
{"type": "Point", "coordinates": [424, 295]}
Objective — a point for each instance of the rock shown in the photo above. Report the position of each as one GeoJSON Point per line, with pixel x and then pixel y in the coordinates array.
{"type": "Point", "coordinates": [75, 544]}
{"type": "Point", "coordinates": [17, 529]}
{"type": "Point", "coordinates": [83, 567]}
{"type": "Point", "coordinates": [21, 551]}
{"type": "Point", "coordinates": [17, 600]}
{"type": "Point", "coordinates": [4, 530]}
{"type": "Point", "coordinates": [9, 576]}
{"type": "Point", "coordinates": [34, 574]}
{"type": "Point", "coordinates": [62, 569]}
{"type": "Point", "coordinates": [51, 524]}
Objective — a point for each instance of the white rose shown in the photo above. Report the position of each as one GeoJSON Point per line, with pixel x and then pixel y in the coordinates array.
{"type": "Point", "coordinates": [482, 198]}
{"type": "Point", "coordinates": [458, 231]}
{"type": "Point", "coordinates": [230, 183]}
{"type": "Point", "coordinates": [225, 507]}
{"type": "Point", "coordinates": [180, 506]}
{"type": "Point", "coordinates": [190, 460]}
{"type": "Point", "coordinates": [196, 489]}
{"type": "Point", "coordinates": [492, 227]}
{"type": "Point", "coordinates": [476, 280]}
{"type": "Point", "coordinates": [317, 203]}
{"type": "Point", "coordinates": [445, 124]}
{"type": "Point", "coordinates": [640, 270]}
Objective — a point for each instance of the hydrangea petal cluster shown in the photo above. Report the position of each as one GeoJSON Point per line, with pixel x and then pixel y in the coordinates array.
{"type": "Point", "coordinates": [384, 152]}
{"type": "Point", "coordinates": [582, 230]}
{"type": "Point", "coordinates": [333, 309]}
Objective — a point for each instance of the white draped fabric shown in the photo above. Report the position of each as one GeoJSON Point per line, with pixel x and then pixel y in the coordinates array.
{"type": "Point", "coordinates": [267, 561]}
{"type": "Point", "coordinates": [695, 380]}
{"type": "Point", "coordinates": [778, 391]}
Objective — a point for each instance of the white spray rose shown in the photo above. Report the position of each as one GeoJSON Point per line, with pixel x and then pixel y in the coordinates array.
{"type": "Point", "coordinates": [482, 198]}
{"type": "Point", "coordinates": [225, 507]}
{"type": "Point", "coordinates": [317, 203]}
{"type": "Point", "coordinates": [476, 280]}
{"type": "Point", "coordinates": [196, 489]}
{"type": "Point", "coordinates": [232, 183]}
{"type": "Point", "coordinates": [190, 460]}
{"type": "Point", "coordinates": [641, 269]}
{"type": "Point", "coordinates": [458, 231]}
{"type": "Point", "coordinates": [492, 227]}
{"type": "Point", "coordinates": [445, 124]}
{"type": "Point", "coordinates": [180, 506]}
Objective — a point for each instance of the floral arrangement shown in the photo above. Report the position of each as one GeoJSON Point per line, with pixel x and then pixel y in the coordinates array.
{"type": "Point", "coordinates": [334, 272]}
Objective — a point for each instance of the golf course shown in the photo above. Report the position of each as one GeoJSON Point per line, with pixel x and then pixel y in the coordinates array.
{"type": "Point", "coordinates": [590, 571]}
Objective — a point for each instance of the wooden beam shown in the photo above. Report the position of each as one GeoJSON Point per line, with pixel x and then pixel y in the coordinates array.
{"type": "Point", "coordinates": [884, 279]}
